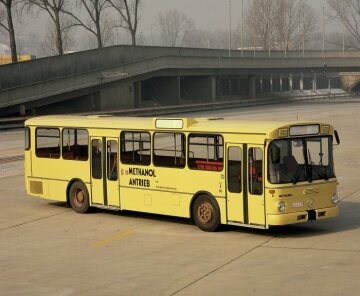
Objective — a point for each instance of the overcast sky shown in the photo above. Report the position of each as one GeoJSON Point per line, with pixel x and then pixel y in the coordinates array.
{"type": "Point", "coordinates": [207, 14]}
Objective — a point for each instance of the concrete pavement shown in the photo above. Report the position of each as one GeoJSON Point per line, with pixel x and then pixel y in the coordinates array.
{"type": "Point", "coordinates": [47, 249]}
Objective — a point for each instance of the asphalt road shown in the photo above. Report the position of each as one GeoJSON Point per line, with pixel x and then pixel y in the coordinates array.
{"type": "Point", "coordinates": [47, 249]}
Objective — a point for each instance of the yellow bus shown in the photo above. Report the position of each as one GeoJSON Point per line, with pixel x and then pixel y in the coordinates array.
{"type": "Point", "coordinates": [6, 59]}
{"type": "Point", "coordinates": [214, 171]}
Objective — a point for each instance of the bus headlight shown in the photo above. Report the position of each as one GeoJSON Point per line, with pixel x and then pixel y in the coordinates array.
{"type": "Point", "coordinates": [281, 206]}
{"type": "Point", "coordinates": [335, 199]}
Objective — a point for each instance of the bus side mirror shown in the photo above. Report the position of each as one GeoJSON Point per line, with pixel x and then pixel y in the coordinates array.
{"type": "Point", "coordinates": [337, 138]}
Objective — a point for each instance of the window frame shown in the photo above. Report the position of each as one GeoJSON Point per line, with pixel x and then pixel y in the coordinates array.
{"type": "Point", "coordinates": [251, 178]}
{"type": "Point", "coordinates": [36, 141]}
{"type": "Point", "coordinates": [27, 139]}
{"type": "Point", "coordinates": [181, 133]}
{"type": "Point", "coordinates": [62, 142]}
{"type": "Point", "coordinates": [203, 135]}
{"type": "Point", "coordinates": [330, 157]}
{"type": "Point", "coordinates": [110, 176]}
{"type": "Point", "coordinates": [241, 169]}
{"type": "Point", "coordinates": [101, 175]}
{"type": "Point", "coordinates": [121, 143]}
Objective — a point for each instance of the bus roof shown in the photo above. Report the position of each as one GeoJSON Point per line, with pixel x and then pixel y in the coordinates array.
{"type": "Point", "coordinates": [214, 125]}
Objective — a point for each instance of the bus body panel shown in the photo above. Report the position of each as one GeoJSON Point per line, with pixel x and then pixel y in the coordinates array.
{"type": "Point", "coordinates": [303, 197]}
{"type": "Point", "coordinates": [156, 202]}
{"type": "Point", "coordinates": [55, 190]}
{"type": "Point", "coordinates": [59, 169]}
{"type": "Point", "coordinates": [167, 191]}
{"type": "Point", "coordinates": [301, 217]}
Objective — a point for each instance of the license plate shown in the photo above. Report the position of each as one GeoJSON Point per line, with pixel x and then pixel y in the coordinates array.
{"type": "Point", "coordinates": [297, 204]}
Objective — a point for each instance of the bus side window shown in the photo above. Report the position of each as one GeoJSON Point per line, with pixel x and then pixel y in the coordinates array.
{"type": "Point", "coordinates": [169, 150]}
{"type": "Point", "coordinates": [75, 144]}
{"type": "Point", "coordinates": [255, 171]}
{"type": "Point", "coordinates": [96, 168]}
{"type": "Point", "coordinates": [206, 152]}
{"type": "Point", "coordinates": [112, 160]}
{"type": "Point", "coordinates": [234, 169]}
{"type": "Point", "coordinates": [27, 139]}
{"type": "Point", "coordinates": [135, 148]}
{"type": "Point", "coordinates": [48, 142]}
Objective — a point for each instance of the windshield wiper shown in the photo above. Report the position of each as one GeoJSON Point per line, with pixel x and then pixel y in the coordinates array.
{"type": "Point", "coordinates": [313, 165]}
{"type": "Point", "coordinates": [297, 175]}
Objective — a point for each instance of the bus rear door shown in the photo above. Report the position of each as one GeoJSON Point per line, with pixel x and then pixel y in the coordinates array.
{"type": "Point", "coordinates": [104, 172]}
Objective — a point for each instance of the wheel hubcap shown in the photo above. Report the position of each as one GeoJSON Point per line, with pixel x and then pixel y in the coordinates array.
{"type": "Point", "coordinates": [205, 212]}
{"type": "Point", "coordinates": [79, 197]}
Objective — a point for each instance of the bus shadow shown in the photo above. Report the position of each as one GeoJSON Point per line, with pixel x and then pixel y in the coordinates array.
{"type": "Point", "coordinates": [130, 214]}
{"type": "Point", "coordinates": [349, 219]}
{"type": "Point", "coordinates": [148, 216]}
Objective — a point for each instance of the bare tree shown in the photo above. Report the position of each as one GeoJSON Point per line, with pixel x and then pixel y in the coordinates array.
{"type": "Point", "coordinates": [129, 15]}
{"type": "Point", "coordinates": [6, 23]}
{"type": "Point", "coordinates": [175, 27]}
{"type": "Point", "coordinates": [280, 24]}
{"type": "Point", "coordinates": [54, 8]}
{"type": "Point", "coordinates": [348, 11]}
{"type": "Point", "coordinates": [49, 46]}
{"type": "Point", "coordinates": [294, 23]}
{"type": "Point", "coordinates": [260, 22]}
{"type": "Point", "coordinates": [95, 20]}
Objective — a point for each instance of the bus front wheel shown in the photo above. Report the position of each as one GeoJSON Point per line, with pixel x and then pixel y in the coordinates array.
{"type": "Point", "coordinates": [79, 197]}
{"type": "Point", "coordinates": [205, 213]}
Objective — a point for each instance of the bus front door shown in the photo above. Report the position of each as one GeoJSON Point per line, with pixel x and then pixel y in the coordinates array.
{"type": "Point", "coordinates": [255, 185]}
{"type": "Point", "coordinates": [104, 172]}
{"type": "Point", "coordinates": [245, 184]}
{"type": "Point", "coordinates": [236, 204]}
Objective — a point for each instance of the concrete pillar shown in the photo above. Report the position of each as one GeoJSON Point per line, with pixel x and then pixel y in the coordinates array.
{"type": "Point", "coordinates": [95, 101]}
{"type": "Point", "coordinates": [314, 83]}
{"type": "Point", "coordinates": [213, 83]}
{"type": "Point", "coordinates": [290, 82]}
{"type": "Point", "coordinates": [137, 93]}
{"type": "Point", "coordinates": [252, 87]}
{"type": "Point", "coordinates": [178, 90]}
{"type": "Point", "coordinates": [271, 83]}
{"type": "Point", "coordinates": [281, 83]}
{"type": "Point", "coordinates": [22, 110]}
{"type": "Point", "coordinates": [302, 82]}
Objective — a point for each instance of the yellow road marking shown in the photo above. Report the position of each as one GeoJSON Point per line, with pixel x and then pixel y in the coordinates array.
{"type": "Point", "coordinates": [112, 238]}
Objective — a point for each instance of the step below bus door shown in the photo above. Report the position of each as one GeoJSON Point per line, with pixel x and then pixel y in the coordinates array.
{"type": "Point", "coordinates": [245, 185]}
{"type": "Point", "coordinates": [104, 172]}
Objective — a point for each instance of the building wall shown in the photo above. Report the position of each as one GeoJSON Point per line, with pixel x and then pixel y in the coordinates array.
{"type": "Point", "coordinates": [117, 95]}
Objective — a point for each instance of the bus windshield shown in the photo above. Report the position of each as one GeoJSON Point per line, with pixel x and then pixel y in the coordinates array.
{"type": "Point", "coordinates": [300, 159]}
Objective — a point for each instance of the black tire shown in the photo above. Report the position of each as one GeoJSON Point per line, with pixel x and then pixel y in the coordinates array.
{"type": "Point", "coordinates": [205, 213]}
{"type": "Point", "coordinates": [79, 197]}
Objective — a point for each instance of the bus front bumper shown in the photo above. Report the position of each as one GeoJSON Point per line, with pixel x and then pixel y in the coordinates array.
{"type": "Point", "coordinates": [300, 217]}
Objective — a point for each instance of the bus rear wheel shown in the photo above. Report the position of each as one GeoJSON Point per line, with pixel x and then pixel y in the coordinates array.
{"type": "Point", "coordinates": [79, 197]}
{"type": "Point", "coordinates": [205, 213]}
